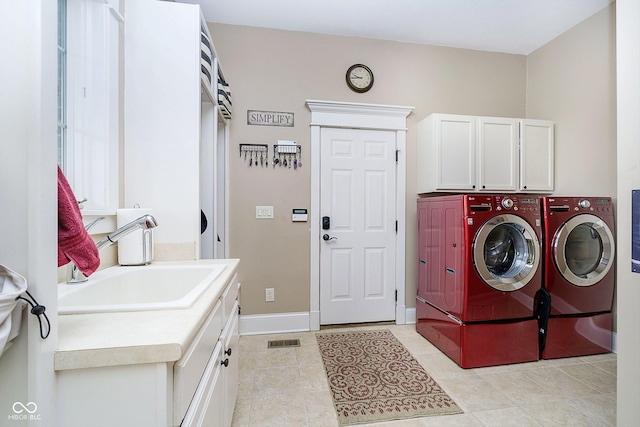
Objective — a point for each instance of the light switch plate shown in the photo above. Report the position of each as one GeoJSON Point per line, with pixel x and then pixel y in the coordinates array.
{"type": "Point", "coordinates": [264, 212]}
{"type": "Point", "coordinates": [269, 295]}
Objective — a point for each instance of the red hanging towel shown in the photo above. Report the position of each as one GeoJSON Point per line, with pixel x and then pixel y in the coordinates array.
{"type": "Point", "coordinates": [74, 243]}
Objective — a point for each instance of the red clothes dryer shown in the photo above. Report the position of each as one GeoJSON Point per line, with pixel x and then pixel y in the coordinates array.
{"type": "Point", "coordinates": [479, 270]}
{"type": "Point", "coordinates": [579, 277]}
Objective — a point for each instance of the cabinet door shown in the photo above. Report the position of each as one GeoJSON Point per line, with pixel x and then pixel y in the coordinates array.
{"type": "Point", "coordinates": [497, 154]}
{"type": "Point", "coordinates": [230, 339]}
{"type": "Point", "coordinates": [536, 156]}
{"type": "Point", "coordinates": [206, 407]}
{"type": "Point", "coordinates": [455, 138]}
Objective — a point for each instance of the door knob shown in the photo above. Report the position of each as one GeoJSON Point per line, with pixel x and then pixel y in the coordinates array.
{"type": "Point", "coordinates": [326, 238]}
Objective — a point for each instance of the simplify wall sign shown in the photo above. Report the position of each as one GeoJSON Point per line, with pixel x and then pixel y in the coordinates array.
{"type": "Point", "coordinates": [269, 118]}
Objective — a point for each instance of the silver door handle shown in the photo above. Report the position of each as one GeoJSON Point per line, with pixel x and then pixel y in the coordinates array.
{"type": "Point", "coordinates": [326, 238]}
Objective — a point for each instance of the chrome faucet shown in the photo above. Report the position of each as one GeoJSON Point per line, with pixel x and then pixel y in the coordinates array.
{"type": "Point", "coordinates": [145, 222]}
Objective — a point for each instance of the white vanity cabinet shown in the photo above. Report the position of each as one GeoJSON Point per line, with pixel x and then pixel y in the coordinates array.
{"type": "Point", "coordinates": [458, 153]}
{"type": "Point", "coordinates": [96, 388]}
{"type": "Point", "coordinates": [215, 396]}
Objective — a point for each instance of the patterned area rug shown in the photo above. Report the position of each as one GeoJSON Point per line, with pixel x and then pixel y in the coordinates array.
{"type": "Point", "coordinates": [374, 378]}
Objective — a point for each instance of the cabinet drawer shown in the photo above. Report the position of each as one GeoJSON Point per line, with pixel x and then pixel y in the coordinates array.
{"type": "Point", "coordinates": [229, 297]}
{"type": "Point", "coordinates": [188, 370]}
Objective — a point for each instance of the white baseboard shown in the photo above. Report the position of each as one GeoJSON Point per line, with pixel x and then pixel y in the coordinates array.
{"type": "Point", "coordinates": [410, 316]}
{"type": "Point", "coordinates": [258, 324]}
{"type": "Point", "coordinates": [276, 323]}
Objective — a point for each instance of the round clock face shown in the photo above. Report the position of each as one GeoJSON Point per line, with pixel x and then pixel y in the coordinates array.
{"type": "Point", "coordinates": [359, 78]}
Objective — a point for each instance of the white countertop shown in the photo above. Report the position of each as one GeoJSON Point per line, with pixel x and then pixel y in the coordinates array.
{"type": "Point", "coordinates": [125, 338]}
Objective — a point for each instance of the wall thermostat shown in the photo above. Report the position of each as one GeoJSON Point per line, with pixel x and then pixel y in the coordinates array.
{"type": "Point", "coordinates": [299, 215]}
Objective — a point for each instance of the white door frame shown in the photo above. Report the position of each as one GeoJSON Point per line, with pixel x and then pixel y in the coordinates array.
{"type": "Point", "coordinates": [357, 116]}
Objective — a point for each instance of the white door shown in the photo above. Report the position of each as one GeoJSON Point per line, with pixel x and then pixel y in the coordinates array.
{"type": "Point", "coordinates": [357, 247]}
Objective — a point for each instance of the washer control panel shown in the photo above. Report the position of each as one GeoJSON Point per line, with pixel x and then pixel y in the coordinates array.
{"type": "Point", "coordinates": [507, 203]}
{"type": "Point", "coordinates": [584, 204]}
{"type": "Point", "coordinates": [517, 203]}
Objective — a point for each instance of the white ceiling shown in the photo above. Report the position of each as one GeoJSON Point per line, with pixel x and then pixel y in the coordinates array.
{"type": "Point", "coordinates": [511, 26]}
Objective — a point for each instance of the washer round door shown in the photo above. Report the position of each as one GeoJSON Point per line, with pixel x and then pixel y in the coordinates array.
{"type": "Point", "coordinates": [506, 252]}
{"type": "Point", "coordinates": [583, 250]}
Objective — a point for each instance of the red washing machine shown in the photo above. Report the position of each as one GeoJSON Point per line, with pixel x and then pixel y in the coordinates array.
{"type": "Point", "coordinates": [579, 278]}
{"type": "Point", "coordinates": [479, 271]}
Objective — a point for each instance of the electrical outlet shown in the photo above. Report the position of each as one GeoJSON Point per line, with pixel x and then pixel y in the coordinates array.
{"type": "Point", "coordinates": [269, 295]}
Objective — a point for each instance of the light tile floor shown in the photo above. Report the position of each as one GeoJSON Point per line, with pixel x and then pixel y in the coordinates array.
{"type": "Point", "coordinates": [287, 387]}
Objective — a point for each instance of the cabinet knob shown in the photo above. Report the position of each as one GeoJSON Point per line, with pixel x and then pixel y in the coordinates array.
{"type": "Point", "coordinates": [225, 363]}
{"type": "Point", "coordinates": [228, 351]}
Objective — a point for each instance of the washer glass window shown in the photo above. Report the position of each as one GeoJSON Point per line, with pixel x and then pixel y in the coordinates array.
{"type": "Point", "coordinates": [506, 252]}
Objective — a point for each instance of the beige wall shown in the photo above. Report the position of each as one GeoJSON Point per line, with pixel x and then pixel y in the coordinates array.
{"type": "Point", "coordinates": [568, 81]}
{"type": "Point", "coordinates": [572, 81]}
{"type": "Point", "coordinates": [277, 71]}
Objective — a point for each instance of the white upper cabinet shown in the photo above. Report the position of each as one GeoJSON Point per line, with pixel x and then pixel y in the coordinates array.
{"type": "Point", "coordinates": [497, 154]}
{"type": "Point", "coordinates": [446, 153]}
{"type": "Point", "coordinates": [491, 154]}
{"type": "Point", "coordinates": [536, 156]}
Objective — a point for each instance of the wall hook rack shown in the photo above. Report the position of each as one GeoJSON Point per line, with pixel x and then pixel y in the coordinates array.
{"type": "Point", "coordinates": [258, 154]}
{"type": "Point", "coordinates": [287, 154]}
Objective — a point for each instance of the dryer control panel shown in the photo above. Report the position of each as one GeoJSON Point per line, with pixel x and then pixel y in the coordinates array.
{"type": "Point", "coordinates": [579, 204]}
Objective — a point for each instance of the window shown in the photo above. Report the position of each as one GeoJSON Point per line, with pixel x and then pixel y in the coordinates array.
{"type": "Point", "coordinates": [62, 83]}
{"type": "Point", "coordinates": [89, 100]}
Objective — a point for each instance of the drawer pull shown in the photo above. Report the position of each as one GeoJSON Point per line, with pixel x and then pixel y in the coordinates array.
{"type": "Point", "coordinates": [228, 351]}
{"type": "Point", "coordinates": [225, 363]}
{"type": "Point", "coordinates": [451, 271]}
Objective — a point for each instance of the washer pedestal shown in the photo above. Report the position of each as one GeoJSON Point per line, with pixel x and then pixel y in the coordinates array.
{"type": "Point", "coordinates": [578, 336]}
{"type": "Point", "coordinates": [474, 345]}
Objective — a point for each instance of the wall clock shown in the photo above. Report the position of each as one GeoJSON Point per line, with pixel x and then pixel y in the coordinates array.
{"type": "Point", "coordinates": [359, 78]}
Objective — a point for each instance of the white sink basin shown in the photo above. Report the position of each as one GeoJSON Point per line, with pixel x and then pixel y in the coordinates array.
{"type": "Point", "coordinates": [150, 287]}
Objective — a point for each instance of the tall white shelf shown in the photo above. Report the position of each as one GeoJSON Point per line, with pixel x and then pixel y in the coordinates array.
{"type": "Point", "coordinates": [175, 150]}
